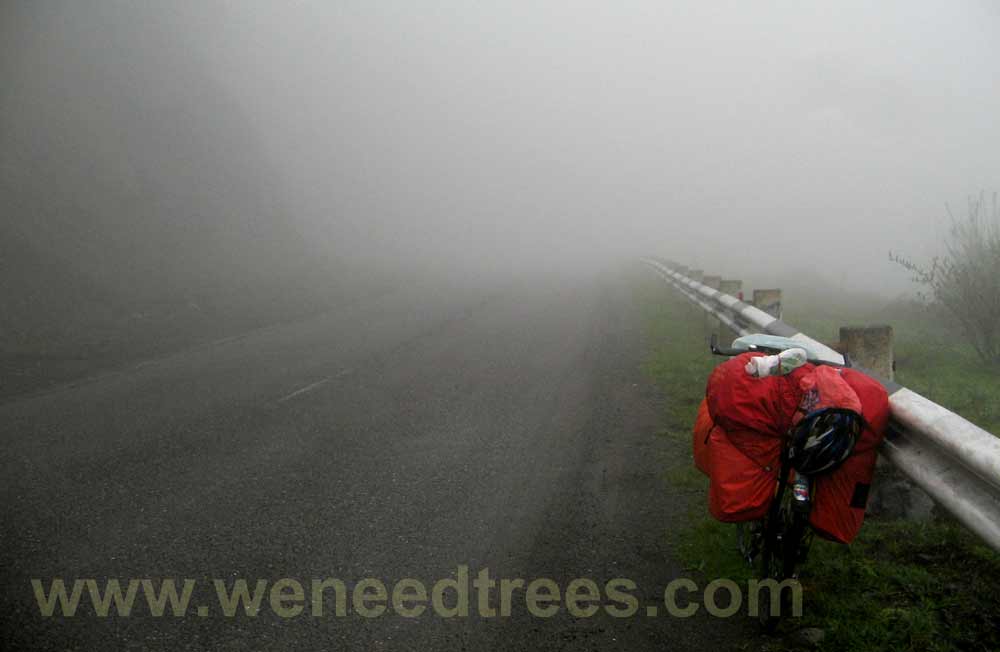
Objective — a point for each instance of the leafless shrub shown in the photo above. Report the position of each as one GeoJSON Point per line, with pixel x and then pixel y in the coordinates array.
{"type": "Point", "coordinates": [965, 279]}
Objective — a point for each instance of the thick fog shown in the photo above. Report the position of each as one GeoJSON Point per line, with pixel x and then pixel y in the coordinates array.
{"type": "Point", "coordinates": [181, 149]}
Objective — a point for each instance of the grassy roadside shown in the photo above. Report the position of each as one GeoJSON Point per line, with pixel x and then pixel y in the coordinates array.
{"type": "Point", "coordinates": [930, 359]}
{"type": "Point", "coordinates": [900, 585]}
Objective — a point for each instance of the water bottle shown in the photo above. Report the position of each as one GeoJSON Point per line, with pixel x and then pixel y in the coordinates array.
{"type": "Point", "coordinates": [800, 492]}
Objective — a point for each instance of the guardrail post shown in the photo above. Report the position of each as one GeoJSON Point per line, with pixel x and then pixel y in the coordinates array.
{"type": "Point", "coordinates": [769, 301]}
{"type": "Point", "coordinates": [733, 288]}
{"type": "Point", "coordinates": [870, 347]}
{"type": "Point", "coordinates": [893, 496]}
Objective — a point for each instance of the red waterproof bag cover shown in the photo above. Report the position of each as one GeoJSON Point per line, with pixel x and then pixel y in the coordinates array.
{"type": "Point", "coordinates": [740, 488]}
{"type": "Point", "coordinates": [750, 417]}
{"type": "Point", "coordinates": [739, 440]}
{"type": "Point", "coordinates": [840, 498]}
{"type": "Point", "coordinates": [703, 426]}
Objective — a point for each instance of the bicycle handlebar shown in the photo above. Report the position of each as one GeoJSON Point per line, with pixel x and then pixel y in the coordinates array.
{"type": "Point", "coordinates": [769, 350]}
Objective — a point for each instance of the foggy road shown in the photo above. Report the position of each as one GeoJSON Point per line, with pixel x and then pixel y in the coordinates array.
{"type": "Point", "coordinates": [432, 427]}
{"type": "Point", "coordinates": [320, 300]}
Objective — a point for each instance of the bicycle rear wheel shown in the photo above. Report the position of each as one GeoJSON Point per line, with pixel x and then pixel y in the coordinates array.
{"type": "Point", "coordinates": [784, 531]}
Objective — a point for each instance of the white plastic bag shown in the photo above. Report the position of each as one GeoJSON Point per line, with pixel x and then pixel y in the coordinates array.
{"type": "Point", "coordinates": [776, 365]}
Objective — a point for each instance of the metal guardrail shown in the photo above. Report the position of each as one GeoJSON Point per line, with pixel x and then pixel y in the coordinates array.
{"type": "Point", "coordinates": [956, 462]}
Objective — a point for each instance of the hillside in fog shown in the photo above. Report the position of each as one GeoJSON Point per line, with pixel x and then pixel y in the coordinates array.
{"type": "Point", "coordinates": [135, 187]}
{"type": "Point", "coordinates": [177, 171]}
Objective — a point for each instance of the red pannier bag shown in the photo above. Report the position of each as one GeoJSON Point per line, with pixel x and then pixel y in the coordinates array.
{"type": "Point", "coordinates": [765, 406]}
{"type": "Point", "coordinates": [840, 497]}
{"type": "Point", "coordinates": [824, 388]}
{"type": "Point", "coordinates": [751, 416]}
{"type": "Point", "coordinates": [703, 426]}
{"type": "Point", "coordinates": [740, 487]}
{"type": "Point", "coordinates": [740, 439]}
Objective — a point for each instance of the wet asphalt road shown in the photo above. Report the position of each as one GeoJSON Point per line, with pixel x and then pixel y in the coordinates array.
{"type": "Point", "coordinates": [508, 428]}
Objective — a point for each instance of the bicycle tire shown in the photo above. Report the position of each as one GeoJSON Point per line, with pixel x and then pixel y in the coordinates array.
{"type": "Point", "coordinates": [784, 530]}
{"type": "Point", "coordinates": [770, 552]}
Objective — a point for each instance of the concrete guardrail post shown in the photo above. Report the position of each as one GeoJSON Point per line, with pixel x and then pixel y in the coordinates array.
{"type": "Point", "coordinates": [870, 347]}
{"type": "Point", "coordinates": [732, 287]}
{"type": "Point", "coordinates": [769, 301]}
{"type": "Point", "coordinates": [893, 496]}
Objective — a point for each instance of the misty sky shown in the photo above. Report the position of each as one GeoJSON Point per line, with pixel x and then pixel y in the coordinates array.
{"type": "Point", "coordinates": [721, 134]}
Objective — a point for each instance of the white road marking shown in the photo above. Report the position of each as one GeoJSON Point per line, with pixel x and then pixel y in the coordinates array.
{"type": "Point", "coordinates": [312, 386]}
{"type": "Point", "coordinates": [305, 389]}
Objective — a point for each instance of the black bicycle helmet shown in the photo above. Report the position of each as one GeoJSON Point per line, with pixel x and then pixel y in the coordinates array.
{"type": "Point", "coordinates": [823, 440]}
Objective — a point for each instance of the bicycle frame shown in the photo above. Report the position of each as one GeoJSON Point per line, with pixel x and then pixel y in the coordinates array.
{"type": "Point", "coordinates": [778, 537]}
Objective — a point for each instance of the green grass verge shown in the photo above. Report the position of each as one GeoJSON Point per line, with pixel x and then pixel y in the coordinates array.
{"type": "Point", "coordinates": [930, 358]}
{"type": "Point", "coordinates": [901, 585]}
